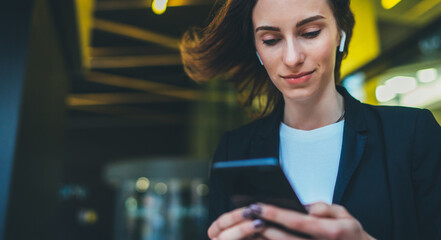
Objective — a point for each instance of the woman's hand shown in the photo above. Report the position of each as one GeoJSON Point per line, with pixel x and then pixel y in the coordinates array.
{"type": "Point", "coordinates": [323, 222]}
{"type": "Point", "coordinates": [237, 224]}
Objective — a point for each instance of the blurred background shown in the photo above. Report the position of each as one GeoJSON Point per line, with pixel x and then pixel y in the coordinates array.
{"type": "Point", "coordinates": [105, 137]}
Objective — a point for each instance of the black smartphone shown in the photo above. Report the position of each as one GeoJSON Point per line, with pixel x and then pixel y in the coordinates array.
{"type": "Point", "coordinates": [257, 180]}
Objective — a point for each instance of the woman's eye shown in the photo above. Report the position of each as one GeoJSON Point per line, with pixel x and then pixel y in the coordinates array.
{"type": "Point", "coordinates": [270, 41]}
{"type": "Point", "coordinates": [311, 34]}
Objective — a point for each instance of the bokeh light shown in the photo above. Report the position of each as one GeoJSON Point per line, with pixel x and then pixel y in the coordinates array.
{"type": "Point", "coordinates": [202, 190]}
{"type": "Point", "coordinates": [401, 84]}
{"type": "Point", "coordinates": [161, 188]}
{"type": "Point", "coordinates": [384, 94]}
{"type": "Point", "coordinates": [427, 75]}
{"type": "Point", "coordinates": [131, 204]}
{"type": "Point", "coordinates": [142, 184]}
{"type": "Point", "coordinates": [159, 6]}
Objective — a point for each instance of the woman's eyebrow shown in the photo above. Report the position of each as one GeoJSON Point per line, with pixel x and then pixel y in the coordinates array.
{"type": "Point", "coordinates": [299, 24]}
{"type": "Point", "coordinates": [268, 28]}
{"type": "Point", "coordinates": [308, 20]}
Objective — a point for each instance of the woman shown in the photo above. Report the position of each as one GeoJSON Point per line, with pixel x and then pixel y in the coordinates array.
{"type": "Point", "coordinates": [363, 171]}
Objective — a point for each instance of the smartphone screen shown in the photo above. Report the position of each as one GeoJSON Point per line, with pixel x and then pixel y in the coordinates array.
{"type": "Point", "coordinates": [258, 181]}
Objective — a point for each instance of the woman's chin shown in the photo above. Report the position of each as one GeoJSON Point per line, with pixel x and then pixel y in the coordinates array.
{"type": "Point", "coordinates": [297, 95]}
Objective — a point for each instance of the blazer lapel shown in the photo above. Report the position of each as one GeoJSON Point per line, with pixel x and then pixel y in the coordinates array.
{"type": "Point", "coordinates": [352, 151]}
{"type": "Point", "coordinates": [354, 143]}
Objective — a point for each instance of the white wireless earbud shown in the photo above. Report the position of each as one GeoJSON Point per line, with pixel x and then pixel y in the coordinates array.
{"type": "Point", "coordinates": [260, 60]}
{"type": "Point", "coordinates": [342, 41]}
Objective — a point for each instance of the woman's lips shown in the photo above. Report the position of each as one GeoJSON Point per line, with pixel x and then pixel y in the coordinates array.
{"type": "Point", "coordinates": [298, 78]}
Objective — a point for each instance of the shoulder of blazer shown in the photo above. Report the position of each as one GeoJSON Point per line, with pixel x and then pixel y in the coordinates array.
{"type": "Point", "coordinates": [259, 127]}
{"type": "Point", "coordinates": [251, 129]}
{"type": "Point", "coordinates": [400, 126]}
{"type": "Point", "coordinates": [395, 117]}
{"type": "Point", "coordinates": [238, 140]}
{"type": "Point", "coordinates": [394, 111]}
{"type": "Point", "coordinates": [238, 143]}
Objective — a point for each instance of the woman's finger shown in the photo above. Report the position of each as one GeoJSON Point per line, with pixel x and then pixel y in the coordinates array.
{"type": "Point", "coordinates": [321, 209]}
{"type": "Point", "coordinates": [241, 230]}
{"type": "Point", "coordinates": [228, 220]}
{"type": "Point", "coordinates": [311, 225]}
{"type": "Point", "coordinates": [277, 234]}
{"type": "Point", "coordinates": [288, 218]}
{"type": "Point", "coordinates": [322, 228]}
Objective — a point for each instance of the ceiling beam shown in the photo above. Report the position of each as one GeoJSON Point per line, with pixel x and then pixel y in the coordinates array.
{"type": "Point", "coordinates": [129, 51]}
{"type": "Point", "coordinates": [121, 5]}
{"type": "Point", "coordinates": [135, 61]}
{"type": "Point", "coordinates": [84, 18]}
{"type": "Point", "coordinates": [418, 14]}
{"type": "Point", "coordinates": [421, 8]}
{"type": "Point", "coordinates": [88, 99]}
{"type": "Point", "coordinates": [160, 88]}
{"type": "Point", "coordinates": [111, 121]}
{"type": "Point", "coordinates": [132, 113]}
{"type": "Point", "coordinates": [145, 85]}
{"type": "Point", "coordinates": [136, 33]}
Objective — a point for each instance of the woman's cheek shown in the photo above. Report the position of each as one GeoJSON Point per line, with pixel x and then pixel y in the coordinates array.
{"type": "Point", "coordinates": [326, 53]}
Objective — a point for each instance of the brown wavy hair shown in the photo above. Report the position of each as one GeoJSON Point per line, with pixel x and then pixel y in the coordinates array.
{"type": "Point", "coordinates": [225, 48]}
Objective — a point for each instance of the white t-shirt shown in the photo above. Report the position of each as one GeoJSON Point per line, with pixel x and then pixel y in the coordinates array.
{"type": "Point", "coordinates": [310, 160]}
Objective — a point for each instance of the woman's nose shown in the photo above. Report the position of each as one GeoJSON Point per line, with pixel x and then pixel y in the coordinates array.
{"type": "Point", "coordinates": [293, 54]}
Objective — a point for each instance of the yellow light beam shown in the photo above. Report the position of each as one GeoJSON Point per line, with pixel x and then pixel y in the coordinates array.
{"type": "Point", "coordinates": [136, 33]}
{"type": "Point", "coordinates": [84, 10]}
{"type": "Point", "coordinates": [421, 8]}
{"type": "Point", "coordinates": [135, 61]}
{"type": "Point", "coordinates": [388, 4]}
{"type": "Point", "coordinates": [78, 101]}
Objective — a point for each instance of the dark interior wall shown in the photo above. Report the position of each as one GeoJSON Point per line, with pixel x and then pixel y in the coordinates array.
{"type": "Point", "coordinates": [33, 202]}
{"type": "Point", "coordinates": [89, 150]}
{"type": "Point", "coordinates": [14, 26]}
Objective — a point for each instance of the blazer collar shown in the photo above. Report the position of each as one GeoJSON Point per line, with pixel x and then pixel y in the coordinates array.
{"type": "Point", "coordinates": [266, 143]}
{"type": "Point", "coordinates": [354, 115]}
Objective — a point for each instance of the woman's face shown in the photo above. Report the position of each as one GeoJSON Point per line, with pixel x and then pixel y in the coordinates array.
{"type": "Point", "coordinates": [297, 42]}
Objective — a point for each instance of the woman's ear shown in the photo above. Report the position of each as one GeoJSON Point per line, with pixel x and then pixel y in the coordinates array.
{"type": "Point", "coordinates": [342, 41]}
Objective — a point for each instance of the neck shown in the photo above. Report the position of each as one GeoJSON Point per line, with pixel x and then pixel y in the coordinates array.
{"type": "Point", "coordinates": [318, 111]}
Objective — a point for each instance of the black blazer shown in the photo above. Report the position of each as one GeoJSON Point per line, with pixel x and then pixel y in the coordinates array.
{"type": "Point", "coordinates": [389, 176]}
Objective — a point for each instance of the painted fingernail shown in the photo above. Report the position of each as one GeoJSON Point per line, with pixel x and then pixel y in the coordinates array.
{"type": "Point", "coordinates": [247, 213]}
{"type": "Point", "coordinates": [258, 224]}
{"type": "Point", "coordinates": [256, 209]}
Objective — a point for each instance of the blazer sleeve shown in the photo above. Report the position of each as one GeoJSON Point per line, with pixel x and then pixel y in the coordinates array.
{"type": "Point", "coordinates": [426, 175]}
{"type": "Point", "coordinates": [219, 202]}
